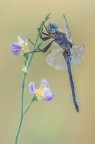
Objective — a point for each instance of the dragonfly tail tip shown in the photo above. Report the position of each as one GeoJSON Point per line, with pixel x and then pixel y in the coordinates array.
{"type": "Point", "coordinates": [77, 109]}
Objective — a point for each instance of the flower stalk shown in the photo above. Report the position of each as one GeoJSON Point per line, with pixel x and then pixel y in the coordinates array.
{"type": "Point", "coordinates": [16, 48]}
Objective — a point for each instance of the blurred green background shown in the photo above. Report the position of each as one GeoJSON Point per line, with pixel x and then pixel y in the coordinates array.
{"type": "Point", "coordinates": [57, 121]}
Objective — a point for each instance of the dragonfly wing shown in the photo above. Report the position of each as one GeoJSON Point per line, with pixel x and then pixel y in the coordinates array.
{"type": "Point", "coordinates": [66, 28]}
{"type": "Point", "coordinates": [56, 59]}
{"type": "Point", "coordinates": [54, 43]}
{"type": "Point", "coordinates": [77, 54]}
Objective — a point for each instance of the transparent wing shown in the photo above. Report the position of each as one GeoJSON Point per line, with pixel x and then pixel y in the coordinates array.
{"type": "Point", "coordinates": [77, 54]}
{"type": "Point", "coordinates": [56, 59]}
{"type": "Point", "coordinates": [66, 28]}
{"type": "Point", "coordinates": [54, 43]}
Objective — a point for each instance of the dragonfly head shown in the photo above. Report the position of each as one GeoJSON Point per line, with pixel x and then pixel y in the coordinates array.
{"type": "Point", "coordinates": [52, 27]}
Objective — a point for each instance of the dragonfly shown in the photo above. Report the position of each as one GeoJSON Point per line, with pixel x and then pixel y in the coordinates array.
{"type": "Point", "coordinates": [64, 54]}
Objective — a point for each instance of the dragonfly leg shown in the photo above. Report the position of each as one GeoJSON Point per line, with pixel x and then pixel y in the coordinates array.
{"type": "Point", "coordinates": [43, 50]}
{"type": "Point", "coordinates": [45, 28]}
{"type": "Point", "coordinates": [39, 50]}
{"type": "Point", "coordinates": [45, 33]}
{"type": "Point", "coordinates": [31, 42]}
{"type": "Point", "coordinates": [43, 38]}
{"type": "Point", "coordinates": [47, 47]}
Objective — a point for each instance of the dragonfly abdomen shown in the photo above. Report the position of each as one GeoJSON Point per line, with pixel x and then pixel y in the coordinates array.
{"type": "Point", "coordinates": [68, 61]}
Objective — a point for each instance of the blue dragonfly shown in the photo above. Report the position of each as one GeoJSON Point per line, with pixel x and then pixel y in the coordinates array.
{"type": "Point", "coordinates": [65, 52]}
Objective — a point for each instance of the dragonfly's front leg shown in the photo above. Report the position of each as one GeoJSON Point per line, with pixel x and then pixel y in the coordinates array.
{"type": "Point", "coordinates": [46, 28]}
{"type": "Point", "coordinates": [41, 36]}
{"type": "Point", "coordinates": [47, 47]}
{"type": "Point", "coordinates": [43, 50]}
{"type": "Point", "coordinates": [45, 33]}
{"type": "Point", "coordinates": [31, 42]}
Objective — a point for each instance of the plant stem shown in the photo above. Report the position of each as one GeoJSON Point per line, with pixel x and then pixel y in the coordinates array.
{"type": "Point", "coordinates": [22, 96]}
{"type": "Point", "coordinates": [21, 119]}
{"type": "Point", "coordinates": [28, 106]}
{"type": "Point", "coordinates": [33, 53]}
{"type": "Point", "coordinates": [27, 64]}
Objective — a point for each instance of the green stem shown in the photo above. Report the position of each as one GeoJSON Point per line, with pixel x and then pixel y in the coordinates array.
{"type": "Point", "coordinates": [33, 53]}
{"type": "Point", "coordinates": [22, 97]}
{"type": "Point", "coordinates": [29, 105]}
{"type": "Point", "coordinates": [27, 64]}
{"type": "Point", "coordinates": [21, 119]}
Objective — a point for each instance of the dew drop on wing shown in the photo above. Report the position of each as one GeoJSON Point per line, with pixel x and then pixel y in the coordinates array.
{"type": "Point", "coordinates": [56, 59]}
{"type": "Point", "coordinates": [77, 54]}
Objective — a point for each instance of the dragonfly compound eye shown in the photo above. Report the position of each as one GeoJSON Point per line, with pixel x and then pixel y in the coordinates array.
{"type": "Point", "coordinates": [52, 27]}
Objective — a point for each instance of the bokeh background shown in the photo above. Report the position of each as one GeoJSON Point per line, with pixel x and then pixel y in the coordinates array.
{"type": "Point", "coordinates": [57, 121]}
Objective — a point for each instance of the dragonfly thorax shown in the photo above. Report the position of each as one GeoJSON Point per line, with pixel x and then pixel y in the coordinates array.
{"type": "Point", "coordinates": [61, 39]}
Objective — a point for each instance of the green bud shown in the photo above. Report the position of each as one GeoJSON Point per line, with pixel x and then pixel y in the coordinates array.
{"type": "Point", "coordinates": [24, 69]}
